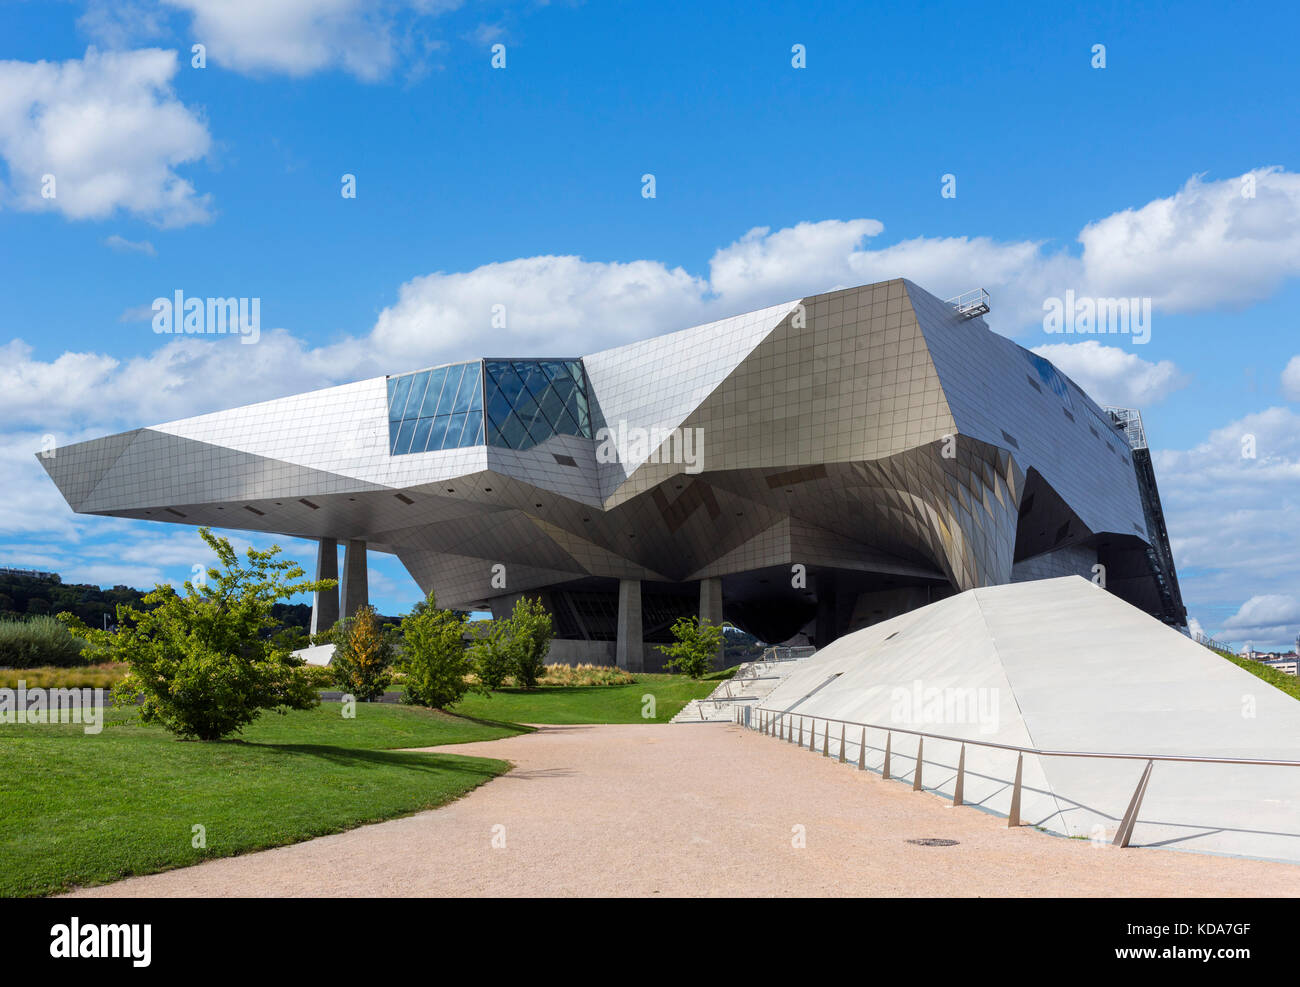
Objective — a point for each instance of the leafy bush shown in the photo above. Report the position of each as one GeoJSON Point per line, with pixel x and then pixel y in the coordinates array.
{"type": "Point", "coordinates": [320, 676]}
{"type": "Point", "coordinates": [528, 641]}
{"type": "Point", "coordinates": [204, 662]}
{"type": "Point", "coordinates": [694, 647]}
{"type": "Point", "coordinates": [514, 647]}
{"type": "Point", "coordinates": [363, 654]}
{"type": "Point", "coordinates": [436, 663]}
{"type": "Point", "coordinates": [491, 657]}
{"type": "Point", "coordinates": [39, 641]}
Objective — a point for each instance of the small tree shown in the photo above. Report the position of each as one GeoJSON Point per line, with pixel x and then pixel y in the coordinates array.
{"type": "Point", "coordinates": [491, 656]}
{"type": "Point", "coordinates": [694, 647]}
{"type": "Point", "coordinates": [436, 662]}
{"type": "Point", "coordinates": [529, 641]}
{"type": "Point", "coordinates": [204, 661]}
{"type": "Point", "coordinates": [363, 654]}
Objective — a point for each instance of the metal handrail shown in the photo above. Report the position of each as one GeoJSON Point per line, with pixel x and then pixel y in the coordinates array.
{"type": "Point", "coordinates": [768, 721]}
{"type": "Point", "coordinates": [974, 302]}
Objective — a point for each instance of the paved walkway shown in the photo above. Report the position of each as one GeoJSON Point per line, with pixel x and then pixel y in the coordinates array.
{"type": "Point", "coordinates": [700, 810]}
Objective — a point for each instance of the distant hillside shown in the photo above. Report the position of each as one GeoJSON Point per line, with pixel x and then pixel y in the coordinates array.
{"type": "Point", "coordinates": [27, 595]}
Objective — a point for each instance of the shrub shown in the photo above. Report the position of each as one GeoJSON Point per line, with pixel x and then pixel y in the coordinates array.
{"type": "Point", "coordinates": [436, 663]}
{"type": "Point", "coordinates": [363, 652]}
{"type": "Point", "coordinates": [320, 676]}
{"type": "Point", "coordinates": [528, 641]}
{"type": "Point", "coordinates": [84, 677]}
{"type": "Point", "coordinates": [586, 675]}
{"type": "Point", "coordinates": [39, 641]}
{"type": "Point", "coordinates": [204, 662]}
{"type": "Point", "coordinates": [491, 657]}
{"type": "Point", "coordinates": [694, 647]}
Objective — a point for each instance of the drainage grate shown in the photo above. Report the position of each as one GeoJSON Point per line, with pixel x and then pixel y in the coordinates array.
{"type": "Point", "coordinates": [933, 841]}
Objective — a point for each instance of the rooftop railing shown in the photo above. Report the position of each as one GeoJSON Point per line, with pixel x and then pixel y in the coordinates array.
{"type": "Point", "coordinates": [971, 303]}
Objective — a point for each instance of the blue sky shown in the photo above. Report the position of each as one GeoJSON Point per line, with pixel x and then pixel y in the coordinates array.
{"type": "Point", "coordinates": [523, 185]}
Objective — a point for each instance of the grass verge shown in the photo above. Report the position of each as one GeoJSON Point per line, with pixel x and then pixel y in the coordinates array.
{"type": "Point", "coordinates": [78, 809]}
{"type": "Point", "coordinates": [590, 704]}
{"type": "Point", "coordinates": [1289, 684]}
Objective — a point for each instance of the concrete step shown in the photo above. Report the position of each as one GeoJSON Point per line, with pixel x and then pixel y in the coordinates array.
{"type": "Point", "coordinates": [752, 682]}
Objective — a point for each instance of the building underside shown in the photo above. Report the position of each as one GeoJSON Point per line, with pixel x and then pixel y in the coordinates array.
{"type": "Point", "coordinates": [801, 471]}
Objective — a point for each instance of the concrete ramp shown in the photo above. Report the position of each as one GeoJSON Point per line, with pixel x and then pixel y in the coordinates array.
{"type": "Point", "coordinates": [1060, 664]}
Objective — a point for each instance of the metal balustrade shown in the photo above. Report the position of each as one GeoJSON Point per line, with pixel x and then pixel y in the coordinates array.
{"type": "Point", "coordinates": [970, 304]}
{"type": "Point", "coordinates": [779, 723]}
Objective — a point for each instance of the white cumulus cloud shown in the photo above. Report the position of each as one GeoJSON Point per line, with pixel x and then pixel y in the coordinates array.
{"type": "Point", "coordinates": [1232, 504]}
{"type": "Point", "coordinates": [1291, 379]}
{"type": "Point", "coordinates": [364, 38]}
{"type": "Point", "coordinates": [1115, 376]}
{"type": "Point", "coordinates": [91, 136]}
{"type": "Point", "coordinates": [1266, 620]}
{"type": "Point", "coordinates": [1210, 244]}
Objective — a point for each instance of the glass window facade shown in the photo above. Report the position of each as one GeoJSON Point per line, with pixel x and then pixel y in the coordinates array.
{"type": "Point", "coordinates": [528, 401]}
{"type": "Point", "coordinates": [436, 409]}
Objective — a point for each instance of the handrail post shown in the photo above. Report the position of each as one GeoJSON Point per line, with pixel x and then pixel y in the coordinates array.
{"type": "Point", "coordinates": [801, 731]}
{"type": "Point", "coordinates": [1013, 817]}
{"type": "Point", "coordinates": [812, 736]}
{"type": "Point", "coordinates": [862, 751]}
{"type": "Point", "coordinates": [916, 775]}
{"type": "Point", "coordinates": [889, 738]}
{"type": "Point", "coordinates": [1126, 824]}
{"type": "Point", "coordinates": [826, 740]}
{"type": "Point", "coordinates": [959, 790]}
{"type": "Point", "coordinates": [841, 743]}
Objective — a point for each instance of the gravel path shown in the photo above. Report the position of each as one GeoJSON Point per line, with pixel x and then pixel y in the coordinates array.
{"type": "Point", "coordinates": [699, 810]}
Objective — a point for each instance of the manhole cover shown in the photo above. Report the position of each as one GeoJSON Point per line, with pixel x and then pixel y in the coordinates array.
{"type": "Point", "coordinates": [932, 841]}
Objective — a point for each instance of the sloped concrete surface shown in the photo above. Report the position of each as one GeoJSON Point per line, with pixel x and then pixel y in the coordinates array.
{"type": "Point", "coordinates": [1060, 664]}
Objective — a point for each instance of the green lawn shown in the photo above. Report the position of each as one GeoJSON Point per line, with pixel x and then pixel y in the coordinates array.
{"type": "Point", "coordinates": [79, 809]}
{"type": "Point", "coordinates": [589, 704]}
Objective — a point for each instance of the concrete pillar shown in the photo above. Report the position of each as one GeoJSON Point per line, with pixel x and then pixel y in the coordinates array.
{"type": "Point", "coordinates": [629, 650]}
{"type": "Point", "coordinates": [325, 603]}
{"type": "Point", "coordinates": [711, 608]}
{"type": "Point", "coordinates": [356, 589]}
